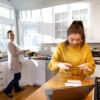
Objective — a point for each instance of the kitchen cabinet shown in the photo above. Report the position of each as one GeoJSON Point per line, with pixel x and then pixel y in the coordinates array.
{"type": "Point", "coordinates": [42, 72]}
{"type": "Point", "coordinates": [64, 17]}
{"type": "Point", "coordinates": [95, 23]}
{"type": "Point", "coordinates": [33, 72]}
{"type": "Point", "coordinates": [49, 74]}
{"type": "Point", "coordinates": [27, 73]}
{"type": "Point", "coordinates": [3, 75]}
{"type": "Point", "coordinates": [61, 25]}
{"type": "Point", "coordinates": [80, 11]}
{"type": "Point", "coordinates": [61, 22]}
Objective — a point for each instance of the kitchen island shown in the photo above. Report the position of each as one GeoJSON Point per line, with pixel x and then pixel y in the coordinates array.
{"type": "Point", "coordinates": [55, 82]}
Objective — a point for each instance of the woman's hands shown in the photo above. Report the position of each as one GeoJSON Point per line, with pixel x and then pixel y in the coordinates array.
{"type": "Point", "coordinates": [84, 67]}
{"type": "Point", "coordinates": [65, 66]}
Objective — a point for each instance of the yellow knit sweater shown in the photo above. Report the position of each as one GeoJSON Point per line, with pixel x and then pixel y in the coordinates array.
{"type": "Point", "coordinates": [72, 55]}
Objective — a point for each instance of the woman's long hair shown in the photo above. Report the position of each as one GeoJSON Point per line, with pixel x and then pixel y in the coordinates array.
{"type": "Point", "coordinates": [74, 28]}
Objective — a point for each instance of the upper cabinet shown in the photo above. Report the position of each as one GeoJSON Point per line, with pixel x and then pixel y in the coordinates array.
{"type": "Point", "coordinates": [65, 14]}
{"type": "Point", "coordinates": [95, 23]}
{"type": "Point", "coordinates": [61, 24]}
{"type": "Point", "coordinates": [80, 12]}
{"type": "Point", "coordinates": [61, 19]}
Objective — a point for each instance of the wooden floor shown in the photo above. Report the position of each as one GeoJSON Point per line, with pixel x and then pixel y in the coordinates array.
{"type": "Point", "coordinates": [28, 90]}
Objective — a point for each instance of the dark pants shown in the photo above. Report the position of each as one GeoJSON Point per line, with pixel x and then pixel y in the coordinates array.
{"type": "Point", "coordinates": [14, 83]}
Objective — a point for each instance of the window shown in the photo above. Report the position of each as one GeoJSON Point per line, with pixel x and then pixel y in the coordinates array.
{"type": "Point", "coordinates": [3, 34]}
{"type": "Point", "coordinates": [11, 13]}
{"type": "Point", "coordinates": [36, 17]}
{"type": "Point", "coordinates": [23, 16]}
{"type": "Point", "coordinates": [61, 21]}
{"type": "Point", "coordinates": [6, 23]}
{"type": "Point", "coordinates": [28, 15]}
{"type": "Point", "coordinates": [31, 37]}
{"type": "Point", "coordinates": [4, 12]}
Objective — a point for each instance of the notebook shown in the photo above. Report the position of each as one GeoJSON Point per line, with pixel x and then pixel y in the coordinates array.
{"type": "Point", "coordinates": [69, 93]}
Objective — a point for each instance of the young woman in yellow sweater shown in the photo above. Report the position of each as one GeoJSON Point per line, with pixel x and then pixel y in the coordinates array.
{"type": "Point", "coordinates": [73, 56]}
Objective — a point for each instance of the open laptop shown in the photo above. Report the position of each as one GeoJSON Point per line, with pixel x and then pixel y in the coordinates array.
{"type": "Point", "coordinates": [69, 93]}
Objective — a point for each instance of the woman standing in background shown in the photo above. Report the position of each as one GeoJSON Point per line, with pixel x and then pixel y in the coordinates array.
{"type": "Point", "coordinates": [14, 64]}
{"type": "Point", "coordinates": [73, 56]}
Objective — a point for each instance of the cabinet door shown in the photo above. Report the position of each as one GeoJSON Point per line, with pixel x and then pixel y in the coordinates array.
{"type": "Point", "coordinates": [95, 23]}
{"type": "Point", "coordinates": [49, 74]}
{"type": "Point", "coordinates": [26, 73]}
{"type": "Point", "coordinates": [3, 74]}
{"type": "Point", "coordinates": [40, 76]}
{"type": "Point", "coordinates": [1, 77]}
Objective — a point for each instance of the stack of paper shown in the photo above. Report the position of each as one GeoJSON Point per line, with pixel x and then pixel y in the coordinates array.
{"type": "Point", "coordinates": [73, 83]}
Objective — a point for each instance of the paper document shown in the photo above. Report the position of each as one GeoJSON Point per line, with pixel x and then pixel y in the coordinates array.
{"type": "Point", "coordinates": [73, 83]}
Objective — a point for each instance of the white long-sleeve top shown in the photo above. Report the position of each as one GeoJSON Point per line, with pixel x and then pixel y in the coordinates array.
{"type": "Point", "coordinates": [13, 57]}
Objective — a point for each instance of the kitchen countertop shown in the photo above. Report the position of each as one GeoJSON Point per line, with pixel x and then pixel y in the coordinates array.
{"type": "Point", "coordinates": [55, 82]}
{"type": "Point", "coordinates": [42, 58]}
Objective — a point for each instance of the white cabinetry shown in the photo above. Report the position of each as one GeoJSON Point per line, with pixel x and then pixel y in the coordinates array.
{"type": "Point", "coordinates": [27, 73]}
{"type": "Point", "coordinates": [33, 72]}
{"type": "Point", "coordinates": [3, 75]}
{"type": "Point", "coordinates": [61, 25]}
{"type": "Point", "coordinates": [49, 74]}
{"type": "Point", "coordinates": [80, 11]}
{"type": "Point", "coordinates": [42, 72]}
{"type": "Point", "coordinates": [95, 23]}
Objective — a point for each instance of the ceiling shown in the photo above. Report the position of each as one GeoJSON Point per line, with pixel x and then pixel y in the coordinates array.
{"type": "Point", "coordinates": [36, 4]}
